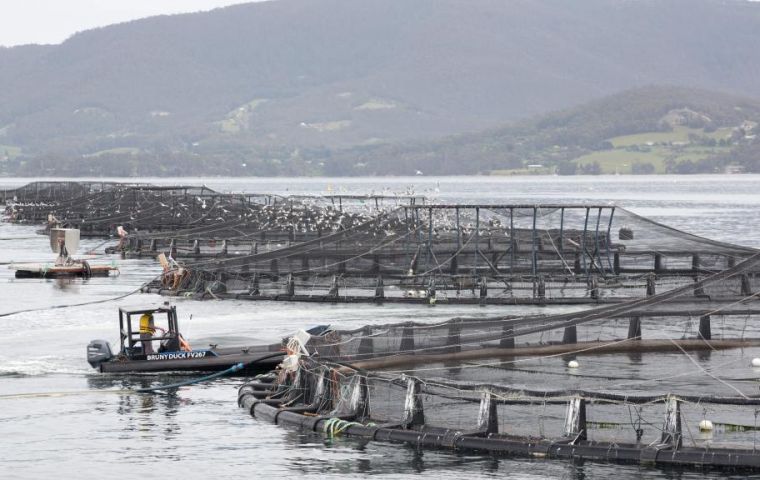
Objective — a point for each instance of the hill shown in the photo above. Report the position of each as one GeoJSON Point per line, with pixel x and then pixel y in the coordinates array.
{"type": "Point", "coordinates": [284, 86]}
{"type": "Point", "coordinates": [655, 129]}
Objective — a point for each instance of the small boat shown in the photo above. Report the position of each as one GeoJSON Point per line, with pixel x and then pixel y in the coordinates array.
{"type": "Point", "coordinates": [137, 354]}
{"type": "Point", "coordinates": [62, 241]}
{"type": "Point", "coordinates": [75, 269]}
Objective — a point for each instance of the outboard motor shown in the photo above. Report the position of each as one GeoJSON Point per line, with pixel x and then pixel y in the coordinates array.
{"type": "Point", "coordinates": [98, 351]}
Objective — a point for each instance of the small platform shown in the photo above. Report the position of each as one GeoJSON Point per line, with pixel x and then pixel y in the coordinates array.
{"type": "Point", "coordinates": [42, 270]}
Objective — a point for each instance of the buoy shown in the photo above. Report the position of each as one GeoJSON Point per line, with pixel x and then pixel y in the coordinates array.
{"type": "Point", "coordinates": [573, 364]}
{"type": "Point", "coordinates": [756, 362]}
{"type": "Point", "coordinates": [706, 426]}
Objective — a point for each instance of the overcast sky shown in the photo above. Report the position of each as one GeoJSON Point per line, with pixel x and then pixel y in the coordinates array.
{"type": "Point", "coordinates": [52, 21]}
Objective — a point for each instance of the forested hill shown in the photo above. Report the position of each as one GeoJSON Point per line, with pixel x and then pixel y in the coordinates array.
{"type": "Point", "coordinates": [652, 129]}
{"type": "Point", "coordinates": [288, 86]}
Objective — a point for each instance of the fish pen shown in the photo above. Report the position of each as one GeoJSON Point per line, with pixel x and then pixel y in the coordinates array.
{"type": "Point", "coordinates": [467, 254]}
{"type": "Point", "coordinates": [479, 384]}
{"type": "Point", "coordinates": [282, 221]}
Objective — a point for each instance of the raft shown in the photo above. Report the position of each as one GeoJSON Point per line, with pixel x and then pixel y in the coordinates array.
{"type": "Point", "coordinates": [43, 270]}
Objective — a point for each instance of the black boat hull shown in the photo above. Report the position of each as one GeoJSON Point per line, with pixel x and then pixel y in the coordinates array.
{"type": "Point", "coordinates": [254, 362]}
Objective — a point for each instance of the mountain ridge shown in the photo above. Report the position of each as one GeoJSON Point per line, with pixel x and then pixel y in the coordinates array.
{"type": "Point", "coordinates": [266, 83]}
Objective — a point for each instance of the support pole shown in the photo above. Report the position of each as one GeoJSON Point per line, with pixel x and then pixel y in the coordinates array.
{"type": "Point", "coordinates": [634, 328]}
{"type": "Point", "coordinates": [651, 285]}
{"type": "Point", "coordinates": [671, 430]}
{"type": "Point", "coordinates": [488, 418]}
{"type": "Point", "coordinates": [575, 419]}
{"type": "Point", "coordinates": [570, 335]}
{"type": "Point", "coordinates": [507, 337]}
{"type": "Point", "coordinates": [414, 414]}
{"type": "Point", "coordinates": [704, 328]}
{"type": "Point", "coordinates": [379, 289]}
{"type": "Point", "coordinates": [254, 289]}
{"type": "Point", "coordinates": [454, 337]}
{"type": "Point", "coordinates": [746, 288]}
{"type": "Point", "coordinates": [290, 285]}
{"type": "Point", "coordinates": [407, 338]}
{"type": "Point", "coordinates": [334, 291]}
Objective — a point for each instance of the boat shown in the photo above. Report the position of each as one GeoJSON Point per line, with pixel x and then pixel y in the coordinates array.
{"type": "Point", "coordinates": [174, 354]}
{"type": "Point", "coordinates": [62, 241]}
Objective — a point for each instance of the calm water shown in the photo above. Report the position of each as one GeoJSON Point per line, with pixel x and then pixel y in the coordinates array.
{"type": "Point", "coordinates": [90, 429]}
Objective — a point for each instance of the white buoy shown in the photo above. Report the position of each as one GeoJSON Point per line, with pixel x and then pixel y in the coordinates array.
{"type": "Point", "coordinates": [756, 362]}
{"type": "Point", "coordinates": [706, 426]}
{"type": "Point", "coordinates": [573, 364]}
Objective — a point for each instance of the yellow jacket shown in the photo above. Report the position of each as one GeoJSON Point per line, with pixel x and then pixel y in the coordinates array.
{"type": "Point", "coordinates": [146, 324]}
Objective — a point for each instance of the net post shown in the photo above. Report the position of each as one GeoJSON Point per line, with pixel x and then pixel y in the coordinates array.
{"type": "Point", "coordinates": [746, 286]}
{"type": "Point", "coordinates": [173, 248]}
{"type": "Point", "coordinates": [507, 337]}
{"type": "Point", "coordinates": [671, 430]}
{"type": "Point", "coordinates": [359, 400]}
{"type": "Point", "coordinates": [254, 289]}
{"type": "Point", "coordinates": [593, 287]}
{"type": "Point", "coordinates": [305, 265]}
{"type": "Point", "coordinates": [651, 285]}
{"type": "Point", "coordinates": [414, 413]}
{"type": "Point", "coordinates": [570, 335]}
{"type": "Point", "coordinates": [488, 419]}
{"type": "Point", "coordinates": [224, 248]}
{"type": "Point", "coordinates": [454, 337]}
{"type": "Point", "coordinates": [334, 291]}
{"type": "Point", "coordinates": [575, 419]}
{"type": "Point", "coordinates": [634, 328]}
{"type": "Point", "coordinates": [196, 247]}
{"type": "Point", "coordinates": [274, 269]}
{"type": "Point", "coordinates": [379, 289]}
{"type": "Point", "coordinates": [407, 338]}
{"type": "Point", "coordinates": [290, 285]}
{"type": "Point", "coordinates": [704, 328]}
{"type": "Point", "coordinates": [541, 288]}
{"type": "Point", "coordinates": [152, 244]}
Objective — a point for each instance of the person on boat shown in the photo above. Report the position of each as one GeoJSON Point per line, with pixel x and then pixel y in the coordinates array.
{"type": "Point", "coordinates": [147, 330]}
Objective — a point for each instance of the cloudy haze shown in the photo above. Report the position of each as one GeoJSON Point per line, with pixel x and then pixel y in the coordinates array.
{"type": "Point", "coordinates": [52, 21]}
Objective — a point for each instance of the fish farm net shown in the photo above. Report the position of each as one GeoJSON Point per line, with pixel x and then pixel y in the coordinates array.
{"type": "Point", "coordinates": [481, 383]}
{"type": "Point", "coordinates": [444, 254]}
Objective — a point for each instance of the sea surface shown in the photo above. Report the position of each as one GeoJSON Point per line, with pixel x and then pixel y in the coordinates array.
{"type": "Point", "coordinates": [60, 419]}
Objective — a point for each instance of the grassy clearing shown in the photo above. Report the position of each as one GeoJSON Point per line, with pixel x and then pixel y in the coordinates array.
{"type": "Point", "coordinates": [238, 119]}
{"type": "Point", "coordinates": [621, 161]}
{"type": "Point", "coordinates": [679, 134]}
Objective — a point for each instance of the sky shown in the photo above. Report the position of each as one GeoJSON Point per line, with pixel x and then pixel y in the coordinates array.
{"type": "Point", "coordinates": [52, 21]}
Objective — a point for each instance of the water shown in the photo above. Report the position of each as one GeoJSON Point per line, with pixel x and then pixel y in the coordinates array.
{"type": "Point", "coordinates": [91, 429]}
